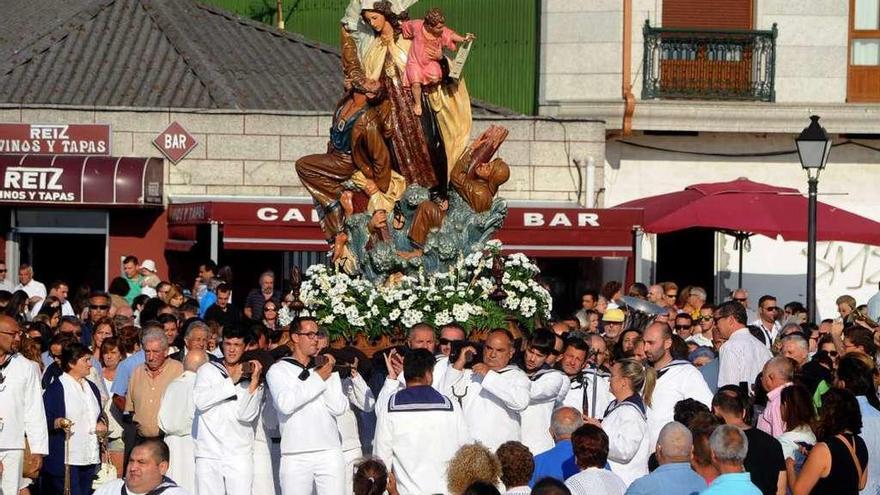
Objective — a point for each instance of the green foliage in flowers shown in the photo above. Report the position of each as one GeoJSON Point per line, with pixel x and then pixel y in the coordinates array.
{"type": "Point", "coordinates": [347, 306]}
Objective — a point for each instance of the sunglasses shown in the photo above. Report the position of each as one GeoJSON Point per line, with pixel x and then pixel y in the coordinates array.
{"type": "Point", "coordinates": [672, 296]}
{"type": "Point", "coordinates": [740, 299]}
{"type": "Point", "coordinates": [706, 318]}
{"type": "Point", "coordinates": [772, 308]}
{"type": "Point", "coordinates": [104, 307]}
{"type": "Point", "coordinates": [682, 327]}
{"type": "Point", "coordinates": [3, 271]}
{"type": "Point", "coordinates": [270, 309]}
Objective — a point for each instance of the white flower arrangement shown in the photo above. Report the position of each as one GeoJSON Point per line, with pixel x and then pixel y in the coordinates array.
{"type": "Point", "coordinates": [348, 306]}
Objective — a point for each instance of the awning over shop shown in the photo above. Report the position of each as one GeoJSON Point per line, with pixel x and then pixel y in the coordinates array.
{"type": "Point", "coordinates": [81, 180]}
{"type": "Point", "coordinates": [536, 229]}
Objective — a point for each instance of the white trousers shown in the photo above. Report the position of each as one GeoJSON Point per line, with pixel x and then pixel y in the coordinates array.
{"type": "Point", "coordinates": [320, 472]}
{"type": "Point", "coordinates": [11, 476]}
{"type": "Point", "coordinates": [350, 458]}
{"type": "Point", "coordinates": [232, 475]}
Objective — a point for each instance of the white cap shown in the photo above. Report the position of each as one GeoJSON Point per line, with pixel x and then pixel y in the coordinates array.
{"type": "Point", "coordinates": [149, 265]}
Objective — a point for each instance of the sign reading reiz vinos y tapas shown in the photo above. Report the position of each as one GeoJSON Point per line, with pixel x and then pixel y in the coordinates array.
{"type": "Point", "coordinates": [55, 139]}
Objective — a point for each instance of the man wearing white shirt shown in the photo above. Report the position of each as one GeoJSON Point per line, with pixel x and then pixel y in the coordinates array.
{"type": "Point", "coordinates": [146, 470]}
{"type": "Point", "coordinates": [227, 400]}
{"type": "Point", "coordinates": [676, 380]}
{"type": "Point", "coordinates": [768, 319]}
{"type": "Point", "coordinates": [309, 400]}
{"type": "Point", "coordinates": [548, 386]}
{"type": "Point", "coordinates": [493, 393]}
{"type": "Point", "coordinates": [21, 409]}
{"type": "Point", "coordinates": [176, 420]}
{"type": "Point", "coordinates": [60, 290]}
{"type": "Point", "coordinates": [5, 284]}
{"type": "Point", "coordinates": [743, 356]}
{"type": "Point", "coordinates": [361, 397]}
{"type": "Point", "coordinates": [36, 291]}
{"type": "Point", "coordinates": [589, 392]}
{"type": "Point", "coordinates": [420, 431]}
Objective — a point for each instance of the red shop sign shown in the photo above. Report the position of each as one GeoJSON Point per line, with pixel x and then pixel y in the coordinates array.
{"type": "Point", "coordinates": [55, 139]}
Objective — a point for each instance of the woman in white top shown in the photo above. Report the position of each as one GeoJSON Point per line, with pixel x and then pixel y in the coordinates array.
{"type": "Point", "coordinates": [73, 399]}
{"type": "Point", "coordinates": [798, 417]}
{"type": "Point", "coordinates": [625, 420]}
{"type": "Point", "coordinates": [111, 356]}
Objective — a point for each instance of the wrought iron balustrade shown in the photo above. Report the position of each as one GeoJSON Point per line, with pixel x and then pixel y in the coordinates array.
{"type": "Point", "coordinates": [709, 64]}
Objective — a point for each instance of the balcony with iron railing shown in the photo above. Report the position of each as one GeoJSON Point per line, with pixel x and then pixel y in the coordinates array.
{"type": "Point", "coordinates": [709, 64]}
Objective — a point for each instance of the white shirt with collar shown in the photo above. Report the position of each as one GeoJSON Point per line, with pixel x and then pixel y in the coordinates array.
{"type": "Point", "coordinates": [359, 396]}
{"type": "Point", "coordinates": [114, 487]}
{"type": "Point", "coordinates": [742, 358]}
{"type": "Point", "coordinates": [225, 415]}
{"type": "Point", "coordinates": [417, 435]}
{"type": "Point", "coordinates": [21, 406]}
{"type": "Point", "coordinates": [308, 407]}
{"type": "Point", "coordinates": [581, 384]}
{"type": "Point", "coordinates": [548, 387]}
{"type": "Point", "coordinates": [492, 404]}
{"type": "Point", "coordinates": [176, 414]}
{"type": "Point", "coordinates": [628, 444]}
{"type": "Point", "coordinates": [772, 332]}
{"type": "Point", "coordinates": [6, 285]}
{"type": "Point", "coordinates": [82, 407]}
{"type": "Point", "coordinates": [33, 289]}
{"type": "Point", "coordinates": [66, 309]}
{"type": "Point", "coordinates": [676, 381]}
{"type": "Point", "coordinates": [700, 340]}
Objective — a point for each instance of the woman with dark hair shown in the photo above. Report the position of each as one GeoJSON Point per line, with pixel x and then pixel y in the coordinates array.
{"type": "Point", "coordinates": [103, 329]}
{"type": "Point", "coordinates": [612, 291]}
{"type": "Point", "coordinates": [373, 478]}
{"type": "Point", "coordinates": [18, 306]}
{"type": "Point", "coordinates": [838, 463]}
{"type": "Point", "coordinates": [72, 403]}
{"type": "Point", "coordinates": [270, 315]}
{"type": "Point", "coordinates": [626, 343]}
{"type": "Point", "coordinates": [590, 445]}
{"type": "Point", "coordinates": [111, 356]}
{"type": "Point", "coordinates": [798, 417]}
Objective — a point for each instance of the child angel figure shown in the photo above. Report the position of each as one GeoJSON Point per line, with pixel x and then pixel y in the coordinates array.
{"type": "Point", "coordinates": [429, 36]}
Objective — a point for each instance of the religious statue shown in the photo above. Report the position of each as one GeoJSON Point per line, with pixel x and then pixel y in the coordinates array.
{"type": "Point", "coordinates": [399, 189]}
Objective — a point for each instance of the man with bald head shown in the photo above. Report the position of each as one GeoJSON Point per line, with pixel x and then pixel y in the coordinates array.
{"type": "Point", "coordinates": [559, 462]}
{"type": "Point", "coordinates": [674, 476]}
{"type": "Point", "coordinates": [176, 419]}
{"type": "Point", "coordinates": [778, 373]}
{"type": "Point", "coordinates": [657, 296]}
{"type": "Point", "coordinates": [676, 379]}
{"type": "Point", "coordinates": [492, 393]}
{"type": "Point", "coordinates": [796, 348]}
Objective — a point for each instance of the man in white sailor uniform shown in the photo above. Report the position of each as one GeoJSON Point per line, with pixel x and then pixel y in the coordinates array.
{"type": "Point", "coordinates": [227, 401]}
{"type": "Point", "coordinates": [420, 431]}
{"type": "Point", "coordinates": [676, 380]}
{"type": "Point", "coordinates": [21, 409]}
{"type": "Point", "coordinates": [145, 474]}
{"type": "Point", "coordinates": [493, 393]}
{"type": "Point", "coordinates": [589, 392]}
{"type": "Point", "coordinates": [308, 400]}
{"type": "Point", "coordinates": [548, 386]}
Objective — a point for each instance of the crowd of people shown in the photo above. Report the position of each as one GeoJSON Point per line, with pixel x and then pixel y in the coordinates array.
{"type": "Point", "coordinates": [155, 388]}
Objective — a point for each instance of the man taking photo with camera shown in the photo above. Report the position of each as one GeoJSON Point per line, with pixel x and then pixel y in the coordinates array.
{"type": "Point", "coordinates": [492, 393]}
{"type": "Point", "coordinates": [228, 397]}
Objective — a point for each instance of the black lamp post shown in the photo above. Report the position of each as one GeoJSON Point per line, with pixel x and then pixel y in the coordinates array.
{"type": "Point", "coordinates": [813, 146]}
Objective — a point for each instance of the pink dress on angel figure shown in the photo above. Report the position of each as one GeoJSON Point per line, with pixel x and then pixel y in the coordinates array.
{"type": "Point", "coordinates": [422, 64]}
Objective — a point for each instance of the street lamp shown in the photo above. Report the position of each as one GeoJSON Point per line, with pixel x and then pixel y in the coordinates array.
{"type": "Point", "coordinates": [813, 146]}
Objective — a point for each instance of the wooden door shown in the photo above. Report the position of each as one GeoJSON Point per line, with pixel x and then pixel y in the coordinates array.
{"type": "Point", "coordinates": [863, 67]}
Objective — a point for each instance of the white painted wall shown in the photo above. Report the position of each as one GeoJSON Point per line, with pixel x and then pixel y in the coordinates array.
{"type": "Point", "coordinates": [581, 48]}
{"type": "Point", "coordinates": [772, 266]}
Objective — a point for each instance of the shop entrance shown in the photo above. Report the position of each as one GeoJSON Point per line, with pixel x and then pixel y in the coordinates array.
{"type": "Point", "coordinates": [68, 245]}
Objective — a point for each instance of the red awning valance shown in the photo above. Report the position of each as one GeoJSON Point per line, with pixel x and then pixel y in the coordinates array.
{"type": "Point", "coordinates": [536, 229]}
{"type": "Point", "coordinates": [81, 180]}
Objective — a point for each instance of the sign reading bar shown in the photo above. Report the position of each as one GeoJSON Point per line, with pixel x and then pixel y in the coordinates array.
{"type": "Point", "coordinates": [175, 143]}
{"type": "Point", "coordinates": [55, 139]}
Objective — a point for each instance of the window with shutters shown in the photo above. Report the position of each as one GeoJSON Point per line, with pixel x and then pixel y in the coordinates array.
{"type": "Point", "coordinates": [863, 74]}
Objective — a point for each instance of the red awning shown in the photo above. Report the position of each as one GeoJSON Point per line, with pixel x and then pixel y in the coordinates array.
{"type": "Point", "coordinates": [81, 180]}
{"type": "Point", "coordinates": [536, 229]}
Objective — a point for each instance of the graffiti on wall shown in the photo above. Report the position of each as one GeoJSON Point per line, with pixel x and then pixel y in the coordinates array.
{"type": "Point", "coordinates": [846, 266]}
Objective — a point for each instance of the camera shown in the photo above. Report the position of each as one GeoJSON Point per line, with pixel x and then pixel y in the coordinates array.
{"type": "Point", "coordinates": [247, 369]}
{"type": "Point", "coordinates": [341, 367]}
{"type": "Point", "coordinates": [472, 358]}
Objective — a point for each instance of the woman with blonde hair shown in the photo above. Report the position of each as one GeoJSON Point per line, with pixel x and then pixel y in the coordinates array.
{"type": "Point", "coordinates": [625, 422]}
{"type": "Point", "coordinates": [473, 462]}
